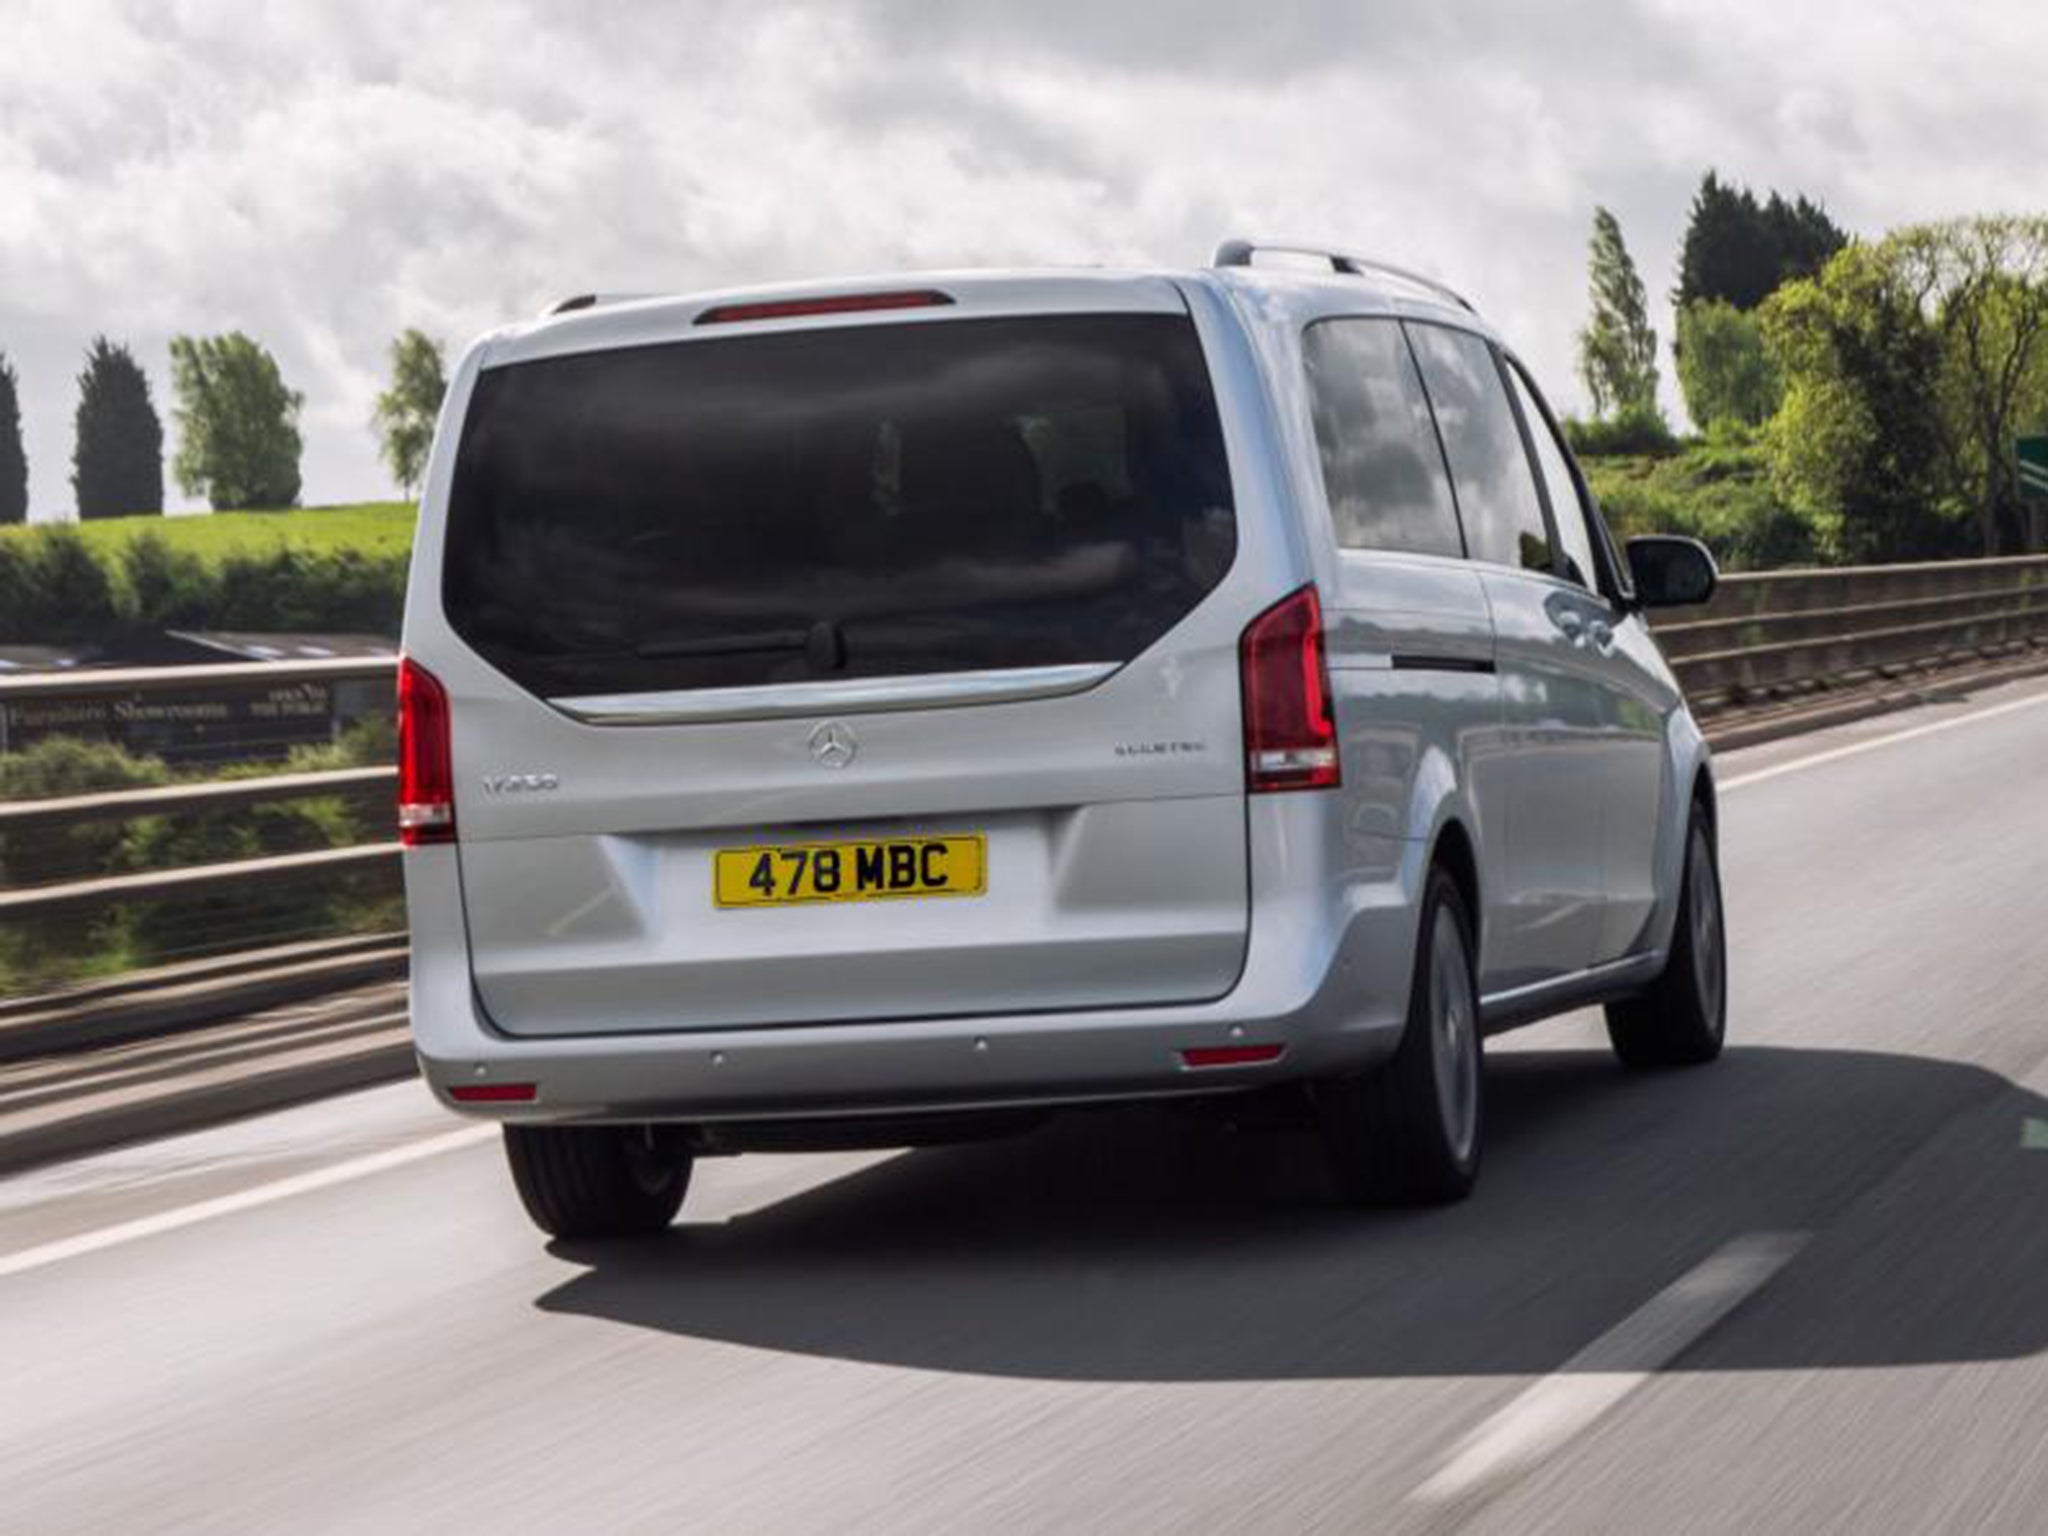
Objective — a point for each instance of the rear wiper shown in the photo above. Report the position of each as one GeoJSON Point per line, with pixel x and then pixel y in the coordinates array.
{"type": "Point", "coordinates": [824, 647]}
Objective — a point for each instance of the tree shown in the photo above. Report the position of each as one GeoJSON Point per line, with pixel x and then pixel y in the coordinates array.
{"type": "Point", "coordinates": [1982, 284]}
{"type": "Point", "coordinates": [117, 463]}
{"type": "Point", "coordinates": [13, 462]}
{"type": "Point", "coordinates": [1723, 369]}
{"type": "Point", "coordinates": [405, 412]}
{"type": "Point", "coordinates": [1741, 251]}
{"type": "Point", "coordinates": [1857, 444]}
{"type": "Point", "coordinates": [1617, 348]}
{"type": "Point", "coordinates": [238, 431]}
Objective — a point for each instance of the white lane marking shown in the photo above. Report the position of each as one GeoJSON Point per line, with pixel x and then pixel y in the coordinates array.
{"type": "Point", "coordinates": [2034, 1134]}
{"type": "Point", "coordinates": [1835, 754]}
{"type": "Point", "coordinates": [242, 1200]}
{"type": "Point", "coordinates": [1599, 1376]}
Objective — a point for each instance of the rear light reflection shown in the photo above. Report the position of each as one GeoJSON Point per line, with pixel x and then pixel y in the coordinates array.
{"type": "Point", "coordinates": [426, 769]}
{"type": "Point", "coordinates": [1231, 1055]}
{"type": "Point", "coordinates": [494, 1093]}
{"type": "Point", "coordinates": [1290, 729]}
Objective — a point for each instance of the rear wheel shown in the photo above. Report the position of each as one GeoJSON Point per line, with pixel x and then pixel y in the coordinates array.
{"type": "Point", "coordinates": [590, 1181]}
{"type": "Point", "coordinates": [1683, 1018]}
{"type": "Point", "coordinates": [1409, 1131]}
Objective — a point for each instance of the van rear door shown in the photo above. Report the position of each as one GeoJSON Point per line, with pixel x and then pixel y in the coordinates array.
{"type": "Point", "coordinates": [846, 668]}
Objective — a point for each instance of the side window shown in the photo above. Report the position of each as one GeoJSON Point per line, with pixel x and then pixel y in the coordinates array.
{"type": "Point", "coordinates": [1566, 510]}
{"type": "Point", "coordinates": [1382, 468]}
{"type": "Point", "coordinates": [1496, 488]}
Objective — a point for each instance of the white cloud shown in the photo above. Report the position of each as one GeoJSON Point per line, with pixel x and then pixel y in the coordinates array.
{"type": "Point", "coordinates": [321, 174]}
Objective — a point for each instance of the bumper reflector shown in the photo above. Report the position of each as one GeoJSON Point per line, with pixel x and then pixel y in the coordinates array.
{"type": "Point", "coordinates": [1231, 1055]}
{"type": "Point", "coordinates": [493, 1093]}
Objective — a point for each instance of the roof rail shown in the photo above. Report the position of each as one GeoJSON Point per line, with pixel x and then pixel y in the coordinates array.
{"type": "Point", "coordinates": [1239, 253]}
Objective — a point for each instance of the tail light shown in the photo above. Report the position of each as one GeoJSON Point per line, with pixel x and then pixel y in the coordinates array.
{"type": "Point", "coordinates": [1290, 729]}
{"type": "Point", "coordinates": [426, 772]}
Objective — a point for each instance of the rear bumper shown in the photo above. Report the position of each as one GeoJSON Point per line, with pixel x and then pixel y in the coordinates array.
{"type": "Point", "coordinates": [1325, 978]}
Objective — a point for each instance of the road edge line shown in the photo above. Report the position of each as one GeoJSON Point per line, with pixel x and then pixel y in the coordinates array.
{"type": "Point", "coordinates": [1539, 1420]}
{"type": "Point", "coordinates": [83, 1243]}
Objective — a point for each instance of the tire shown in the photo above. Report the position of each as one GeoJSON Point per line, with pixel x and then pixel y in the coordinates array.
{"type": "Point", "coordinates": [595, 1181]}
{"type": "Point", "coordinates": [1409, 1132]}
{"type": "Point", "coordinates": [1682, 1019]}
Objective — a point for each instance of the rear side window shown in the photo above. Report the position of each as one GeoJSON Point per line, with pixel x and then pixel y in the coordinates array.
{"type": "Point", "coordinates": [1382, 467]}
{"type": "Point", "coordinates": [1496, 489]}
{"type": "Point", "coordinates": [866, 501]}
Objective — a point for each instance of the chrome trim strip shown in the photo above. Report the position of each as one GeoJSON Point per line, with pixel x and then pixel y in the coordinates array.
{"type": "Point", "coordinates": [937, 690]}
{"type": "Point", "coordinates": [1563, 991]}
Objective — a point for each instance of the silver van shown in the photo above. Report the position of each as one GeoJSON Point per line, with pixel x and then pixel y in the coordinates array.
{"type": "Point", "coordinates": [874, 712]}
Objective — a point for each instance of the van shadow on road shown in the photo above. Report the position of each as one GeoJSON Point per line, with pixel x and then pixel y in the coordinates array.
{"type": "Point", "coordinates": [1146, 1246]}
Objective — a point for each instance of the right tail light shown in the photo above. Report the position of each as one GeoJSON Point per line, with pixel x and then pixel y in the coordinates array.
{"type": "Point", "coordinates": [1290, 727]}
{"type": "Point", "coordinates": [426, 767]}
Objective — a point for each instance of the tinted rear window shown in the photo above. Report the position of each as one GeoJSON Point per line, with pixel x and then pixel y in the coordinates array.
{"type": "Point", "coordinates": [865, 501]}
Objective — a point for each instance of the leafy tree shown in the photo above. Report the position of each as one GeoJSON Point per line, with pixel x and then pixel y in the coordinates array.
{"type": "Point", "coordinates": [1910, 366]}
{"type": "Point", "coordinates": [1723, 368]}
{"type": "Point", "coordinates": [405, 412]}
{"type": "Point", "coordinates": [1982, 283]}
{"type": "Point", "coordinates": [117, 464]}
{"type": "Point", "coordinates": [1617, 348]}
{"type": "Point", "coordinates": [1740, 250]}
{"type": "Point", "coordinates": [1856, 447]}
{"type": "Point", "coordinates": [238, 426]}
{"type": "Point", "coordinates": [13, 462]}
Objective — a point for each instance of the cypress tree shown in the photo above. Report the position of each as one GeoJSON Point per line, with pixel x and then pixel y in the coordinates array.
{"type": "Point", "coordinates": [1740, 250]}
{"type": "Point", "coordinates": [13, 462]}
{"type": "Point", "coordinates": [117, 465]}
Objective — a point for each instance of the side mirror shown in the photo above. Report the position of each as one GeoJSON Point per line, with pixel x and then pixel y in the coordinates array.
{"type": "Point", "coordinates": [1671, 572]}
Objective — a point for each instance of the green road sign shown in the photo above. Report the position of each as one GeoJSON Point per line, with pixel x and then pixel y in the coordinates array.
{"type": "Point", "coordinates": [2032, 456]}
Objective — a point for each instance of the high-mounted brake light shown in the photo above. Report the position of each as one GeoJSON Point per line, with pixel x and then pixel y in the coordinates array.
{"type": "Point", "coordinates": [426, 770]}
{"type": "Point", "coordinates": [826, 304]}
{"type": "Point", "coordinates": [1290, 729]}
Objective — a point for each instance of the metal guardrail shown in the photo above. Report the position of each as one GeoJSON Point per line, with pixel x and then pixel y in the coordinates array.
{"type": "Point", "coordinates": [216, 795]}
{"type": "Point", "coordinates": [1776, 632]}
{"type": "Point", "coordinates": [1764, 635]}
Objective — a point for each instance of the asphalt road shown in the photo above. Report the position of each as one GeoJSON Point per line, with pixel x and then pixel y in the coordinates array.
{"type": "Point", "coordinates": [1804, 1289]}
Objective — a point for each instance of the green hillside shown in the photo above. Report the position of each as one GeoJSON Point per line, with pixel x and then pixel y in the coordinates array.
{"type": "Point", "coordinates": [310, 569]}
{"type": "Point", "coordinates": [374, 528]}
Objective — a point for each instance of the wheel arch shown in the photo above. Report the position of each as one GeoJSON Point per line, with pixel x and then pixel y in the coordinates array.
{"type": "Point", "coordinates": [1454, 851]}
{"type": "Point", "coordinates": [1708, 800]}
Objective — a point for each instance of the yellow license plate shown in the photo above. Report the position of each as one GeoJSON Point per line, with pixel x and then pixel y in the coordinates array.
{"type": "Point", "coordinates": [877, 869]}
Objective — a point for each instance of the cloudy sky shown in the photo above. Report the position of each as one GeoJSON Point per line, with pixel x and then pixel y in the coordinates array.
{"type": "Point", "coordinates": [321, 173]}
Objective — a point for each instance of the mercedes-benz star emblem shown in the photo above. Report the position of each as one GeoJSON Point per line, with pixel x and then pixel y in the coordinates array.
{"type": "Point", "coordinates": [834, 744]}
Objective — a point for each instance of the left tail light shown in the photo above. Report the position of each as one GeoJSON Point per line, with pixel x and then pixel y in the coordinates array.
{"type": "Point", "coordinates": [426, 769]}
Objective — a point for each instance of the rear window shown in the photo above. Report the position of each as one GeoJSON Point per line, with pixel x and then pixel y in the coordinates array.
{"type": "Point", "coordinates": [866, 501]}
